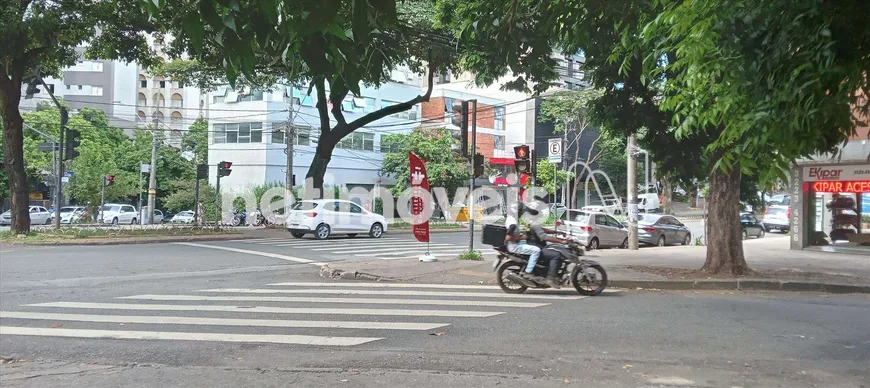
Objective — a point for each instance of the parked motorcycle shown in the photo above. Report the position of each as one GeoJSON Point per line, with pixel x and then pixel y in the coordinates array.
{"type": "Point", "coordinates": [239, 218]}
{"type": "Point", "coordinates": [257, 218]}
{"type": "Point", "coordinates": [587, 276]}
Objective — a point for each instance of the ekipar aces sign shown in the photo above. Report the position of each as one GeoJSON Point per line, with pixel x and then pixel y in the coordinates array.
{"type": "Point", "coordinates": [856, 172]}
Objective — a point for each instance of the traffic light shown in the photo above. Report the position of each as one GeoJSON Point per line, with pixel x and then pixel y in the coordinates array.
{"type": "Point", "coordinates": [31, 89]}
{"type": "Point", "coordinates": [71, 143]}
{"type": "Point", "coordinates": [108, 180]}
{"type": "Point", "coordinates": [460, 120]}
{"type": "Point", "coordinates": [522, 163]}
{"type": "Point", "coordinates": [201, 171]}
{"type": "Point", "coordinates": [224, 169]}
{"type": "Point", "coordinates": [478, 165]}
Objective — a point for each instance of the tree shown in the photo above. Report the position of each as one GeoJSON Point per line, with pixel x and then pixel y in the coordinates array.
{"type": "Point", "coordinates": [445, 168]}
{"type": "Point", "coordinates": [41, 35]}
{"type": "Point", "coordinates": [569, 111]}
{"type": "Point", "coordinates": [195, 140]}
{"type": "Point", "coordinates": [545, 174]}
{"type": "Point", "coordinates": [339, 47]}
{"type": "Point", "coordinates": [183, 195]}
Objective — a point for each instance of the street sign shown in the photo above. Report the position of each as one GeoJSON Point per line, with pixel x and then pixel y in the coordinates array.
{"type": "Point", "coordinates": [68, 174]}
{"type": "Point", "coordinates": [554, 150]}
{"type": "Point", "coordinates": [64, 179]}
{"type": "Point", "coordinates": [144, 168]}
{"type": "Point", "coordinates": [48, 147]}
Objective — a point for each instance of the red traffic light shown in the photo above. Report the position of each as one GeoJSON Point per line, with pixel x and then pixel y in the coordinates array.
{"type": "Point", "coordinates": [521, 152]}
{"type": "Point", "coordinates": [226, 165]}
{"type": "Point", "coordinates": [110, 178]}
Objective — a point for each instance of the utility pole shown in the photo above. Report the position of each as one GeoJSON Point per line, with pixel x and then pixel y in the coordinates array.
{"type": "Point", "coordinates": [290, 139]}
{"type": "Point", "coordinates": [139, 188]}
{"type": "Point", "coordinates": [152, 179]}
{"type": "Point", "coordinates": [632, 193]}
{"type": "Point", "coordinates": [102, 196]}
{"type": "Point", "coordinates": [471, 181]}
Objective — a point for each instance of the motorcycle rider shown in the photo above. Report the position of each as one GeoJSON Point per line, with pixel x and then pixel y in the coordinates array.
{"type": "Point", "coordinates": [515, 239]}
{"type": "Point", "coordinates": [538, 234]}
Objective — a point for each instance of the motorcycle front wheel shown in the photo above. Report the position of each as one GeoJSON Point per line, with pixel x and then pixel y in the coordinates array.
{"type": "Point", "coordinates": [506, 284]}
{"type": "Point", "coordinates": [256, 221]}
{"type": "Point", "coordinates": [590, 282]}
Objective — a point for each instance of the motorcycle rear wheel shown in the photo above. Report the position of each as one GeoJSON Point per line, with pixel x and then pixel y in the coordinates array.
{"type": "Point", "coordinates": [507, 285]}
{"type": "Point", "coordinates": [582, 285]}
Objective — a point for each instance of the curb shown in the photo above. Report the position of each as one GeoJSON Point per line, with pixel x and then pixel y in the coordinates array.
{"type": "Point", "coordinates": [743, 285]}
{"type": "Point", "coordinates": [707, 285]}
{"type": "Point", "coordinates": [128, 242]}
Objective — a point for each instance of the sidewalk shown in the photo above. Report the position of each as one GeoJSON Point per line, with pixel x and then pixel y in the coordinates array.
{"type": "Point", "coordinates": [776, 268]}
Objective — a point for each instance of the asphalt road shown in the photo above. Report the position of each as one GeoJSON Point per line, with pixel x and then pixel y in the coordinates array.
{"type": "Point", "coordinates": [199, 316]}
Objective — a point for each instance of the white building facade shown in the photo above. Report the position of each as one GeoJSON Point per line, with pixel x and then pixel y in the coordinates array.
{"type": "Point", "coordinates": [248, 130]}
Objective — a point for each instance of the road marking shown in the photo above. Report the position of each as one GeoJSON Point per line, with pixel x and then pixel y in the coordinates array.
{"type": "Point", "coordinates": [342, 243]}
{"type": "Point", "coordinates": [385, 248]}
{"type": "Point", "coordinates": [164, 320]}
{"type": "Point", "coordinates": [394, 292]}
{"type": "Point", "coordinates": [286, 242]}
{"type": "Point", "coordinates": [249, 252]}
{"type": "Point", "coordinates": [181, 336]}
{"type": "Point", "coordinates": [274, 310]}
{"type": "Point", "coordinates": [385, 285]}
{"type": "Point", "coordinates": [431, 302]}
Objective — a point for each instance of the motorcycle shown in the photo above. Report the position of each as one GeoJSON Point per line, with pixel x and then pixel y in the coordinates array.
{"type": "Point", "coordinates": [238, 218]}
{"type": "Point", "coordinates": [588, 277]}
{"type": "Point", "coordinates": [257, 219]}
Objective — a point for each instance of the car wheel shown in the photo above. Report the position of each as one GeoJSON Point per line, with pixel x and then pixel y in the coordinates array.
{"type": "Point", "coordinates": [48, 221]}
{"type": "Point", "coordinates": [688, 239]}
{"type": "Point", "coordinates": [745, 234]}
{"type": "Point", "coordinates": [593, 245]}
{"type": "Point", "coordinates": [297, 234]}
{"type": "Point", "coordinates": [624, 244]}
{"type": "Point", "coordinates": [351, 235]}
{"type": "Point", "coordinates": [761, 233]}
{"type": "Point", "coordinates": [115, 221]}
{"type": "Point", "coordinates": [322, 232]}
{"type": "Point", "coordinates": [661, 242]}
{"type": "Point", "coordinates": [377, 231]}
{"type": "Point", "coordinates": [133, 222]}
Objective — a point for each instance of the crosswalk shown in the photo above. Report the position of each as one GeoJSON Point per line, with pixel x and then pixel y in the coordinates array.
{"type": "Point", "coordinates": [375, 309]}
{"type": "Point", "coordinates": [385, 248]}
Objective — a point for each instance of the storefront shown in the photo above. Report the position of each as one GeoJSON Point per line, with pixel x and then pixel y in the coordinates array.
{"type": "Point", "coordinates": [830, 207]}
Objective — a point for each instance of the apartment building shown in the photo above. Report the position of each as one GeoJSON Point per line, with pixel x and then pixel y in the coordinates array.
{"type": "Point", "coordinates": [247, 128]}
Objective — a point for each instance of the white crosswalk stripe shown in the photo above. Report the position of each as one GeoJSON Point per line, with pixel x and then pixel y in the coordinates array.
{"type": "Point", "coordinates": [385, 248]}
{"type": "Point", "coordinates": [222, 315]}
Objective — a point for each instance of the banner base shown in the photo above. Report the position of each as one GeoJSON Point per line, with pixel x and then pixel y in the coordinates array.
{"type": "Point", "coordinates": [428, 258]}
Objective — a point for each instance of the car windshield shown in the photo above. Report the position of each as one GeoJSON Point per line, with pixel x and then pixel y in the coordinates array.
{"type": "Point", "coordinates": [108, 208]}
{"type": "Point", "coordinates": [185, 214]}
{"type": "Point", "coordinates": [575, 216]}
{"type": "Point", "coordinates": [67, 209]}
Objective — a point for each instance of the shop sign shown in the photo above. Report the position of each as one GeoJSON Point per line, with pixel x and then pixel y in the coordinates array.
{"type": "Point", "coordinates": [842, 186]}
{"type": "Point", "coordinates": [837, 173]}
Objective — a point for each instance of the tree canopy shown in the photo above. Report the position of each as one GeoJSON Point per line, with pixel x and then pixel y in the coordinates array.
{"type": "Point", "coordinates": [443, 166]}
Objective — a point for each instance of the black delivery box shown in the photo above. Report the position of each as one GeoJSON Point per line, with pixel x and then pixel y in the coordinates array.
{"type": "Point", "coordinates": [494, 235]}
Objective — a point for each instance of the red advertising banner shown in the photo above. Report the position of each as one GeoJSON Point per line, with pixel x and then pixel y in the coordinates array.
{"type": "Point", "coordinates": [419, 184]}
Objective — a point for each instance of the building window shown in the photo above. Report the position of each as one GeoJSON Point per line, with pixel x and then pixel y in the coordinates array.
{"type": "Point", "coordinates": [96, 90]}
{"type": "Point", "coordinates": [162, 84]}
{"type": "Point", "coordinates": [143, 83]}
{"type": "Point", "coordinates": [238, 133]}
{"type": "Point", "coordinates": [407, 115]}
{"type": "Point", "coordinates": [256, 95]}
{"type": "Point", "coordinates": [68, 87]}
{"type": "Point", "coordinates": [369, 105]}
{"type": "Point", "coordinates": [498, 142]}
{"type": "Point", "coordinates": [80, 87]}
{"type": "Point", "coordinates": [360, 141]}
{"type": "Point", "coordinates": [303, 134]}
{"type": "Point", "coordinates": [176, 101]}
{"type": "Point", "coordinates": [218, 99]}
{"type": "Point", "coordinates": [499, 118]}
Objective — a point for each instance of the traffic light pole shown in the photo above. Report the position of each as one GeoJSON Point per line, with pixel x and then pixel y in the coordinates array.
{"type": "Point", "coordinates": [471, 181]}
{"type": "Point", "coordinates": [217, 198]}
{"type": "Point", "coordinates": [58, 192]}
{"type": "Point", "coordinates": [102, 197]}
{"type": "Point", "coordinates": [152, 179]}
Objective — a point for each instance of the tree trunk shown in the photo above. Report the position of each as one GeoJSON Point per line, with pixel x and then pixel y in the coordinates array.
{"type": "Point", "coordinates": [693, 198]}
{"type": "Point", "coordinates": [724, 236]}
{"type": "Point", "coordinates": [667, 195]}
{"type": "Point", "coordinates": [13, 150]}
{"type": "Point", "coordinates": [319, 163]}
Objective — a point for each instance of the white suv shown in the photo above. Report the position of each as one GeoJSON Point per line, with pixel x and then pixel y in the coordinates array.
{"type": "Point", "coordinates": [325, 217]}
{"type": "Point", "coordinates": [115, 213]}
{"type": "Point", "coordinates": [777, 217]}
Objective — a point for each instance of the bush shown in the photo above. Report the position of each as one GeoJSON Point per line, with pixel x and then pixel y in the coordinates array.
{"type": "Point", "coordinates": [471, 255]}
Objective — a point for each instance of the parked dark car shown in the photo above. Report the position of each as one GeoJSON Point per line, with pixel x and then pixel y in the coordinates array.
{"type": "Point", "coordinates": [662, 230]}
{"type": "Point", "coordinates": [750, 226]}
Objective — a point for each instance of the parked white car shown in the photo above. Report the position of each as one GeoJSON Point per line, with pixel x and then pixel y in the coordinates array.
{"type": "Point", "coordinates": [116, 213]}
{"type": "Point", "coordinates": [183, 217]}
{"type": "Point", "coordinates": [326, 217]}
{"type": "Point", "coordinates": [71, 214]}
{"type": "Point", "coordinates": [158, 216]}
{"type": "Point", "coordinates": [38, 216]}
{"type": "Point", "coordinates": [594, 229]}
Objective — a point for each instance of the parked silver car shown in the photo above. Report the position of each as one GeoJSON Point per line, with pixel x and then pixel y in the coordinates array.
{"type": "Point", "coordinates": [594, 229]}
{"type": "Point", "coordinates": [662, 230]}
